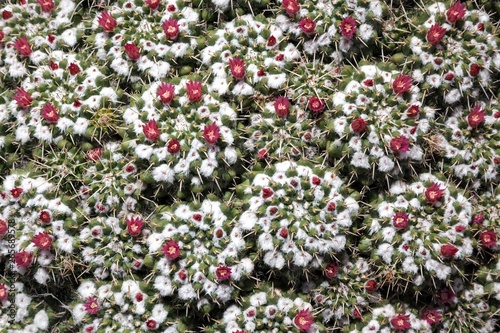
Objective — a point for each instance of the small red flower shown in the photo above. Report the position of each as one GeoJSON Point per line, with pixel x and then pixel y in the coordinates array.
{"type": "Point", "coordinates": [45, 217]}
{"type": "Point", "coordinates": [282, 106]}
{"type": "Point", "coordinates": [23, 259]}
{"type": "Point", "coordinates": [4, 228]}
{"type": "Point", "coordinates": [400, 144]}
{"type": "Point", "coordinates": [474, 69]}
{"type": "Point", "coordinates": [400, 220]}
{"type": "Point", "coordinates": [223, 273]}
{"type": "Point", "coordinates": [371, 285]}
{"type": "Point", "coordinates": [132, 51]}
{"type": "Point", "coordinates": [23, 46]}
{"type": "Point", "coordinates": [477, 219]}
{"type": "Point", "coordinates": [449, 76]}
{"type": "Point", "coordinates": [476, 117]}
{"type": "Point", "coordinates": [47, 5]}
{"type": "Point", "coordinates": [433, 193]}
{"type": "Point", "coordinates": [435, 34]}
{"type": "Point", "coordinates": [292, 7]}
{"type": "Point", "coordinates": [42, 240]}
{"type": "Point", "coordinates": [267, 192]}
{"type": "Point", "coordinates": [171, 28]}
{"type": "Point", "coordinates": [16, 192]}
{"type": "Point", "coordinates": [283, 232]}
{"type": "Point", "coordinates": [53, 65]}
{"type": "Point", "coordinates": [271, 41]}
{"type": "Point", "coordinates": [237, 67]}
{"type": "Point", "coordinates": [304, 319]}
{"type": "Point", "coordinates": [413, 111]}
{"type": "Point", "coordinates": [2, 36]}
{"type": "Point", "coordinates": [262, 154]}
{"type": "Point", "coordinates": [368, 82]}
{"type": "Point", "coordinates": [152, 4]}
{"type": "Point", "coordinates": [151, 324]}
{"type": "Point", "coordinates": [166, 92]}
{"type": "Point", "coordinates": [331, 270]}
{"type": "Point", "coordinates": [171, 250]}
{"type": "Point", "coordinates": [6, 14]}
{"type": "Point", "coordinates": [194, 91]}
{"type": "Point", "coordinates": [460, 228]}
{"type": "Point", "coordinates": [401, 322]}
{"type": "Point", "coordinates": [134, 226]}
{"type": "Point", "coordinates": [480, 26]}
{"type": "Point", "coordinates": [49, 113]}
{"type": "Point", "coordinates": [107, 22]}
{"type": "Point", "coordinates": [358, 125]}
{"type": "Point", "coordinates": [448, 250]}
{"type": "Point", "coordinates": [173, 146]}
{"type": "Point", "coordinates": [91, 305]}
{"type": "Point", "coordinates": [348, 27]}
{"type": "Point", "coordinates": [51, 38]}
{"type": "Point", "coordinates": [446, 295]}
{"type": "Point", "coordinates": [315, 104]}
{"type": "Point", "coordinates": [23, 98]}
{"type": "Point", "coordinates": [402, 84]}
{"type": "Point", "coordinates": [4, 292]}
{"type": "Point", "coordinates": [211, 133]}
{"type": "Point", "coordinates": [307, 25]}
{"type": "Point", "coordinates": [456, 12]}
{"type": "Point", "coordinates": [432, 317]}
{"type": "Point", "coordinates": [488, 238]}
{"type": "Point", "coordinates": [150, 130]}
{"type": "Point", "coordinates": [94, 154]}
{"type": "Point", "coordinates": [74, 69]}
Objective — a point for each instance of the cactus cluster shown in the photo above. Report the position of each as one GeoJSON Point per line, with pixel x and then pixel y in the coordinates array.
{"type": "Point", "coordinates": [249, 166]}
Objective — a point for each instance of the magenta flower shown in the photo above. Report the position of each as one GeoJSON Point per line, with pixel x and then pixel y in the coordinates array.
{"type": "Point", "coordinates": [23, 46]}
{"type": "Point", "coordinates": [304, 319]}
{"type": "Point", "coordinates": [91, 305]}
{"type": "Point", "coordinates": [307, 25]}
{"type": "Point", "coordinates": [402, 84]}
{"type": "Point", "coordinates": [132, 51]}
{"type": "Point", "coordinates": [292, 7]}
{"type": "Point", "coordinates": [400, 220]}
{"type": "Point", "coordinates": [49, 113]}
{"type": "Point", "coordinates": [23, 98]}
{"type": "Point", "coordinates": [435, 34]}
{"type": "Point", "coordinates": [237, 67]}
{"type": "Point", "coordinates": [400, 144]}
{"type": "Point", "coordinates": [194, 91]}
{"type": "Point", "coordinates": [401, 322]}
{"type": "Point", "coordinates": [223, 273]}
{"type": "Point", "coordinates": [281, 106]}
{"type": "Point", "coordinates": [211, 133]}
{"type": "Point", "coordinates": [151, 130]}
{"type": "Point", "coordinates": [166, 92]}
{"type": "Point", "coordinates": [171, 28]}
{"type": "Point", "coordinates": [43, 240]}
{"type": "Point", "coordinates": [315, 104]}
{"type": "Point", "coordinates": [171, 250]}
{"type": "Point", "coordinates": [476, 117]}
{"type": "Point", "coordinates": [456, 12]}
{"type": "Point", "coordinates": [433, 193]}
{"type": "Point", "coordinates": [107, 22]}
{"type": "Point", "coordinates": [348, 27]}
{"type": "Point", "coordinates": [134, 226]}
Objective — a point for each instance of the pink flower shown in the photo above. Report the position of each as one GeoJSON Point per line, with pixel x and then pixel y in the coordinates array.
{"type": "Point", "coordinates": [413, 111]}
{"type": "Point", "coordinates": [307, 25]}
{"type": "Point", "coordinates": [171, 28]}
{"type": "Point", "coordinates": [152, 4]}
{"type": "Point", "coordinates": [171, 250]}
{"type": "Point", "coordinates": [166, 92]}
{"type": "Point", "coordinates": [16, 192]}
{"type": "Point", "coordinates": [22, 46]}
{"type": "Point", "coordinates": [132, 51]}
{"type": "Point", "coordinates": [292, 7]}
{"type": "Point", "coordinates": [45, 217]}
{"type": "Point", "coordinates": [402, 84]}
{"type": "Point", "coordinates": [435, 34]}
{"type": "Point", "coordinates": [91, 305]}
{"type": "Point", "coordinates": [211, 133]}
{"type": "Point", "coordinates": [271, 41]}
{"type": "Point", "coordinates": [476, 117]}
{"type": "Point", "coordinates": [432, 317]}
{"type": "Point", "coordinates": [134, 226]}
{"type": "Point", "coordinates": [47, 5]}
{"type": "Point", "coordinates": [23, 259]}
{"type": "Point", "coordinates": [49, 113]}
{"type": "Point", "coordinates": [281, 106]}
{"type": "Point", "coordinates": [237, 67]}
{"type": "Point", "coordinates": [4, 293]}
{"type": "Point", "coordinates": [331, 270]}
{"type": "Point", "coordinates": [477, 219]}
{"type": "Point", "coordinates": [433, 193]}
{"type": "Point", "coordinates": [4, 227]}
{"type": "Point", "coordinates": [358, 125]}
{"type": "Point", "coordinates": [474, 69]}
{"type": "Point", "coordinates": [94, 154]}
{"type": "Point", "coordinates": [304, 319]}
{"type": "Point", "coordinates": [262, 154]}
{"type": "Point", "coordinates": [223, 273]}
{"type": "Point", "coordinates": [150, 130]}
{"type": "Point", "coordinates": [23, 98]}
{"type": "Point", "coordinates": [173, 146]}
{"type": "Point", "coordinates": [151, 324]}
{"type": "Point", "coordinates": [400, 144]}
{"type": "Point", "coordinates": [73, 69]}
{"type": "Point", "coordinates": [42, 240]}
{"type": "Point", "coordinates": [107, 22]}
{"type": "Point", "coordinates": [456, 12]}
{"type": "Point", "coordinates": [448, 250]}
{"type": "Point", "coordinates": [446, 295]}
{"type": "Point", "coordinates": [315, 104]}
{"type": "Point", "coordinates": [488, 238]}
{"type": "Point", "coordinates": [401, 322]}
{"type": "Point", "coordinates": [2, 36]}
{"type": "Point", "coordinates": [348, 27]}
{"type": "Point", "coordinates": [400, 220]}
{"type": "Point", "coordinates": [194, 91]}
